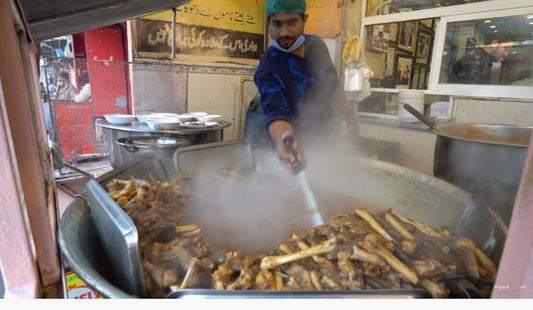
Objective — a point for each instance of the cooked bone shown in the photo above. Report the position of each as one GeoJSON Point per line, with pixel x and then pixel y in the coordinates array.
{"type": "Point", "coordinates": [470, 261]}
{"type": "Point", "coordinates": [315, 279]}
{"type": "Point", "coordinates": [428, 267]}
{"type": "Point", "coordinates": [371, 245]}
{"type": "Point", "coordinates": [362, 255]}
{"type": "Point", "coordinates": [269, 262]}
{"type": "Point", "coordinates": [196, 276]}
{"type": "Point", "coordinates": [301, 275]}
{"type": "Point", "coordinates": [397, 225]}
{"type": "Point", "coordinates": [372, 222]}
{"type": "Point", "coordinates": [346, 266]}
{"type": "Point", "coordinates": [264, 280]}
{"type": "Point", "coordinates": [437, 290]}
{"type": "Point", "coordinates": [482, 258]}
{"type": "Point", "coordinates": [408, 246]}
{"type": "Point", "coordinates": [279, 280]}
{"type": "Point", "coordinates": [420, 226]}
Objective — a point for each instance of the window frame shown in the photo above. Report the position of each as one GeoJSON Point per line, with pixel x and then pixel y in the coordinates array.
{"type": "Point", "coordinates": [450, 14]}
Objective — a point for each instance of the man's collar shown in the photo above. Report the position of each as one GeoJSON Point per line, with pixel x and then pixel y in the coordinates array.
{"type": "Point", "coordinates": [300, 51]}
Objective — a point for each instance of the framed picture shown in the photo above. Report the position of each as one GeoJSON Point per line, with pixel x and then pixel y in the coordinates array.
{"type": "Point", "coordinates": [426, 24]}
{"type": "Point", "coordinates": [426, 79]}
{"type": "Point", "coordinates": [407, 36]}
{"type": "Point", "coordinates": [415, 83]}
{"type": "Point", "coordinates": [377, 38]}
{"type": "Point", "coordinates": [392, 29]}
{"type": "Point", "coordinates": [404, 65]}
{"type": "Point", "coordinates": [423, 47]}
{"type": "Point", "coordinates": [423, 78]}
{"type": "Point", "coordinates": [390, 61]}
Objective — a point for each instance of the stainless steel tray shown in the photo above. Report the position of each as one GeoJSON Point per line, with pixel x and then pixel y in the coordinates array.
{"type": "Point", "coordinates": [258, 294]}
{"type": "Point", "coordinates": [217, 155]}
{"type": "Point", "coordinates": [142, 167]}
{"type": "Point", "coordinates": [119, 239]}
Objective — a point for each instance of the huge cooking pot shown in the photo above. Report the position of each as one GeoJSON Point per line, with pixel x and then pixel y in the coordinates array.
{"type": "Point", "coordinates": [484, 159]}
{"type": "Point", "coordinates": [163, 147]}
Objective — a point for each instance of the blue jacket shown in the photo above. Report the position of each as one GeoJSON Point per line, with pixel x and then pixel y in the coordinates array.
{"type": "Point", "coordinates": [289, 85]}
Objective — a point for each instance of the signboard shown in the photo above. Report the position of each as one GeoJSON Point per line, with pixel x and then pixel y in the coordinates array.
{"type": "Point", "coordinates": [324, 18]}
{"type": "Point", "coordinates": [156, 37]}
{"type": "Point", "coordinates": [215, 30]}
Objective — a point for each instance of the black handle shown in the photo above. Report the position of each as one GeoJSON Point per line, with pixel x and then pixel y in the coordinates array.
{"type": "Point", "coordinates": [288, 141]}
{"type": "Point", "coordinates": [419, 115]}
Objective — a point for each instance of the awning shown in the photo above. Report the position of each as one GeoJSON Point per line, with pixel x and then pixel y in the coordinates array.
{"type": "Point", "coordinates": [53, 18]}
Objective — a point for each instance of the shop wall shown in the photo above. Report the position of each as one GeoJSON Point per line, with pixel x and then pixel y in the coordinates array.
{"type": "Point", "coordinates": [417, 147]}
{"type": "Point", "coordinates": [223, 94]}
{"type": "Point", "coordinates": [494, 112]}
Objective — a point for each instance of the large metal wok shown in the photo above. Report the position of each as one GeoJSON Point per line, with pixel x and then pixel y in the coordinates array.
{"type": "Point", "coordinates": [342, 183]}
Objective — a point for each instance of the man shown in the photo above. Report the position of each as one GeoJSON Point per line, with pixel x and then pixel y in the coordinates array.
{"type": "Point", "coordinates": [297, 82]}
{"type": "Point", "coordinates": [65, 90]}
{"type": "Point", "coordinates": [85, 92]}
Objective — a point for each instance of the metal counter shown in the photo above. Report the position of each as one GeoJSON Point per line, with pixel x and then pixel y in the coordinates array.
{"type": "Point", "coordinates": [136, 128]}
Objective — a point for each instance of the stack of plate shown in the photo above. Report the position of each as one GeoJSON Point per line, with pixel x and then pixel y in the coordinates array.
{"type": "Point", "coordinates": [414, 98]}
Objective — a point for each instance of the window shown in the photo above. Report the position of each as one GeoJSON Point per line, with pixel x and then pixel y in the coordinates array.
{"type": "Point", "coordinates": [381, 7]}
{"type": "Point", "coordinates": [431, 45]}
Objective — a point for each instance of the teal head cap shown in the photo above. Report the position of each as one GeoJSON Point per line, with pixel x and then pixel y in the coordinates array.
{"type": "Point", "coordinates": [285, 6]}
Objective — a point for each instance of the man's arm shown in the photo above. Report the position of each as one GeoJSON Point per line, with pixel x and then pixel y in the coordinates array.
{"type": "Point", "coordinates": [84, 95]}
{"type": "Point", "coordinates": [276, 130]}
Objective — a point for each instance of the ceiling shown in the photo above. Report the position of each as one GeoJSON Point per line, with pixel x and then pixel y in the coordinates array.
{"type": "Point", "coordinates": [52, 18]}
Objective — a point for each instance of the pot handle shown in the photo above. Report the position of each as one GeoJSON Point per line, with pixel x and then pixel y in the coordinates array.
{"type": "Point", "coordinates": [130, 146]}
{"type": "Point", "coordinates": [419, 115]}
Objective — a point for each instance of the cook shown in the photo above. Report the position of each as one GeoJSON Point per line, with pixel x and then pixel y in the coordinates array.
{"type": "Point", "coordinates": [298, 84]}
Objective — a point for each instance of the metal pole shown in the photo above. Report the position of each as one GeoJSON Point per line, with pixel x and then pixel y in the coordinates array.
{"type": "Point", "coordinates": [173, 33]}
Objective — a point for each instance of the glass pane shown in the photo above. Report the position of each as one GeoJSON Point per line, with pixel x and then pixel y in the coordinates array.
{"type": "Point", "coordinates": [399, 54]}
{"type": "Point", "coordinates": [496, 51]}
{"type": "Point", "coordinates": [382, 7]}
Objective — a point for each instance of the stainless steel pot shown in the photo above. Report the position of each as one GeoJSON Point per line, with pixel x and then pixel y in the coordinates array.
{"type": "Point", "coordinates": [484, 159]}
{"type": "Point", "coordinates": [162, 147]}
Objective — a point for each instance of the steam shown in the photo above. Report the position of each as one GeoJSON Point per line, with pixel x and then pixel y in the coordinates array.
{"type": "Point", "coordinates": [256, 213]}
{"type": "Point", "coordinates": [252, 213]}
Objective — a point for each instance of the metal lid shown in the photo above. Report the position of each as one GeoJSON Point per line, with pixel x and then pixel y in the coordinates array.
{"type": "Point", "coordinates": [154, 142]}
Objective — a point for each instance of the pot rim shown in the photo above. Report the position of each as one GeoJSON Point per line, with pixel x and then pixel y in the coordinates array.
{"type": "Point", "coordinates": [440, 129]}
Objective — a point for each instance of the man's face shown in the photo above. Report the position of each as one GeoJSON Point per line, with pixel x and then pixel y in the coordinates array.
{"type": "Point", "coordinates": [285, 28]}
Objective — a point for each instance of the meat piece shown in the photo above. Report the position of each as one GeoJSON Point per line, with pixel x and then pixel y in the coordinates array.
{"type": "Point", "coordinates": [484, 261]}
{"type": "Point", "coordinates": [265, 280]}
{"type": "Point", "coordinates": [196, 276]}
{"type": "Point", "coordinates": [300, 277]}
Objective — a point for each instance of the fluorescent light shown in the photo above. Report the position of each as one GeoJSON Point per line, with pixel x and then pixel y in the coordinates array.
{"type": "Point", "coordinates": [488, 20]}
{"type": "Point", "coordinates": [530, 17]}
{"type": "Point", "coordinates": [495, 31]}
{"type": "Point", "coordinates": [493, 26]}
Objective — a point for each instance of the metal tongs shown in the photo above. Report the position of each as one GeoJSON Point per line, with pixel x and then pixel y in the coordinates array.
{"type": "Point", "coordinates": [316, 217]}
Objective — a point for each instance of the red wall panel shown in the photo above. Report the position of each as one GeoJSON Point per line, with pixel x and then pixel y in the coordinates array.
{"type": "Point", "coordinates": [109, 88]}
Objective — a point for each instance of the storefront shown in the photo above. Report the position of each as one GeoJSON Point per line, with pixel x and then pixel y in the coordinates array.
{"type": "Point", "coordinates": [210, 52]}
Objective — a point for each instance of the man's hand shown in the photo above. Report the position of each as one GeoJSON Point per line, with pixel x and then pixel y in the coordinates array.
{"type": "Point", "coordinates": [276, 130]}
